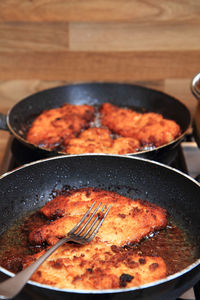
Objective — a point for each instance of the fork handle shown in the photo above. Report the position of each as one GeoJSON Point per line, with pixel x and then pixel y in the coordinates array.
{"type": "Point", "coordinates": [12, 286]}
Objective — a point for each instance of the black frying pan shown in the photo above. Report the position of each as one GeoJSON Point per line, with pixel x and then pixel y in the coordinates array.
{"type": "Point", "coordinates": [136, 97]}
{"type": "Point", "coordinates": [30, 186]}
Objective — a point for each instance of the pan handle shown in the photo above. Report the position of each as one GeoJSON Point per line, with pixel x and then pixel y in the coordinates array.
{"type": "Point", "coordinates": [3, 122]}
{"type": "Point", "coordinates": [195, 87]}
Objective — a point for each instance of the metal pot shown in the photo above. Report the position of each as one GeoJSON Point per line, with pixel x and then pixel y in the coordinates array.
{"type": "Point", "coordinates": [195, 87]}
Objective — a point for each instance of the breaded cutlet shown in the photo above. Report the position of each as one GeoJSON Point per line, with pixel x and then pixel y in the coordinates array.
{"type": "Point", "coordinates": [56, 126]}
{"type": "Point", "coordinates": [147, 128]}
{"type": "Point", "coordinates": [97, 266]}
{"type": "Point", "coordinates": [99, 140]}
{"type": "Point", "coordinates": [129, 220]}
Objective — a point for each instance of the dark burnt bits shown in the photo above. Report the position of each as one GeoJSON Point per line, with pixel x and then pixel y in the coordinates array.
{"type": "Point", "coordinates": [135, 211]}
{"type": "Point", "coordinates": [124, 279]}
{"type": "Point", "coordinates": [100, 215]}
{"type": "Point", "coordinates": [122, 216]}
{"type": "Point", "coordinates": [131, 263]}
{"type": "Point", "coordinates": [142, 261]}
{"type": "Point", "coordinates": [58, 213]}
{"type": "Point", "coordinates": [88, 193]}
{"type": "Point", "coordinates": [39, 273]}
{"type": "Point", "coordinates": [89, 270]}
{"type": "Point", "coordinates": [58, 264]}
{"type": "Point", "coordinates": [153, 266]}
{"type": "Point", "coordinates": [13, 263]}
{"type": "Point", "coordinates": [115, 249]}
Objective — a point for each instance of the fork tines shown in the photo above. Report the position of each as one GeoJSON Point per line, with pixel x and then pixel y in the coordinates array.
{"type": "Point", "coordinates": [91, 225]}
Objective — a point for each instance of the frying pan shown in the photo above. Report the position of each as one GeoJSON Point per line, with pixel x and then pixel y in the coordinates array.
{"type": "Point", "coordinates": [29, 187]}
{"type": "Point", "coordinates": [132, 96]}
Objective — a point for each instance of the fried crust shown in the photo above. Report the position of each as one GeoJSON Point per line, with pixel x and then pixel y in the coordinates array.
{"type": "Point", "coordinates": [56, 126]}
{"type": "Point", "coordinates": [99, 140]}
{"type": "Point", "coordinates": [147, 128]}
{"type": "Point", "coordinates": [103, 263]}
{"type": "Point", "coordinates": [66, 129]}
{"type": "Point", "coordinates": [97, 266]}
{"type": "Point", "coordinates": [92, 140]}
{"type": "Point", "coordinates": [142, 217]}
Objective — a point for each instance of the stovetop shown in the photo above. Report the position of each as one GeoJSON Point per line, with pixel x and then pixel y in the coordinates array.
{"type": "Point", "coordinates": [187, 161]}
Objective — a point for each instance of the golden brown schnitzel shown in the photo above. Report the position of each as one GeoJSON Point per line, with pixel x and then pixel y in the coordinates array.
{"type": "Point", "coordinates": [97, 266]}
{"type": "Point", "coordinates": [71, 129]}
{"type": "Point", "coordinates": [142, 217]}
{"type": "Point", "coordinates": [56, 126]}
{"type": "Point", "coordinates": [147, 128]}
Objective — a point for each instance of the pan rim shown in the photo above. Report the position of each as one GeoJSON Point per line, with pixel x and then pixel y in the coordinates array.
{"type": "Point", "coordinates": [100, 154]}
{"type": "Point", "coordinates": [195, 264]}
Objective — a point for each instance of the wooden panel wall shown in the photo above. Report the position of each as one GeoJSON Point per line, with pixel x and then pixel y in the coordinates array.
{"type": "Point", "coordinates": [45, 43]}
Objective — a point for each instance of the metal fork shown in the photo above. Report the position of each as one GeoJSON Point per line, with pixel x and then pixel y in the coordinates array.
{"type": "Point", "coordinates": [79, 234]}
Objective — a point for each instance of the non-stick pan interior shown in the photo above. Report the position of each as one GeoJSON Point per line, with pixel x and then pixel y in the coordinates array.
{"type": "Point", "coordinates": [29, 187]}
{"type": "Point", "coordinates": [136, 97]}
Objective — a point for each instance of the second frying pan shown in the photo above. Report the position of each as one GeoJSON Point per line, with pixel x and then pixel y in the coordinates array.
{"type": "Point", "coordinates": [132, 96]}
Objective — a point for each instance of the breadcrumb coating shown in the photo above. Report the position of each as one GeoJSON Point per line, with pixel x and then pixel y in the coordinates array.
{"type": "Point", "coordinates": [103, 263]}
{"type": "Point", "coordinates": [71, 129]}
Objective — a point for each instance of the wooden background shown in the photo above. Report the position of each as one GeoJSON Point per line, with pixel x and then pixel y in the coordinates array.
{"type": "Point", "coordinates": [46, 43]}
